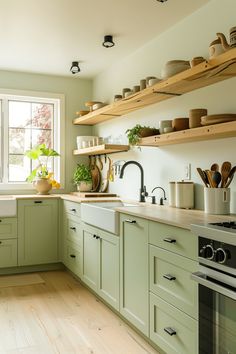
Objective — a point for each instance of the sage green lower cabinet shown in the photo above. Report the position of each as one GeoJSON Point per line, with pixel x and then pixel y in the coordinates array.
{"type": "Point", "coordinates": [72, 257]}
{"type": "Point", "coordinates": [8, 253]}
{"type": "Point", "coordinates": [170, 278]}
{"type": "Point", "coordinates": [100, 263]}
{"type": "Point", "coordinates": [8, 242]}
{"type": "Point", "coordinates": [37, 231]}
{"type": "Point", "coordinates": [172, 330]}
{"type": "Point", "coordinates": [134, 293]}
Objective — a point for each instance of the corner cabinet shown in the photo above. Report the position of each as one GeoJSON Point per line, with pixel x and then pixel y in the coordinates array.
{"type": "Point", "coordinates": [100, 263]}
{"type": "Point", "coordinates": [134, 293]}
{"type": "Point", "coordinates": [37, 231]}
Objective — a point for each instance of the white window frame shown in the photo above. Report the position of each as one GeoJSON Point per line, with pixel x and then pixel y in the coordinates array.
{"type": "Point", "coordinates": [59, 139]}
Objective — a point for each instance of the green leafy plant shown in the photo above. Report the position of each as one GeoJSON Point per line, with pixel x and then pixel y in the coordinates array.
{"type": "Point", "coordinates": [82, 174]}
{"type": "Point", "coordinates": [138, 131]}
{"type": "Point", "coordinates": [39, 152]}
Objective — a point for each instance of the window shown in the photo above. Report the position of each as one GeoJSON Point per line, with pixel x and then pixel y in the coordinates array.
{"type": "Point", "coordinates": [27, 121]}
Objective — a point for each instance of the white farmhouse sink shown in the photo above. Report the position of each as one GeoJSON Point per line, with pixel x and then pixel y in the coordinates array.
{"type": "Point", "coordinates": [7, 205]}
{"type": "Point", "coordinates": [102, 214]}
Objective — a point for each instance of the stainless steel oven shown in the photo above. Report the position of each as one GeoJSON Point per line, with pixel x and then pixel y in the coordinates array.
{"type": "Point", "coordinates": [217, 287]}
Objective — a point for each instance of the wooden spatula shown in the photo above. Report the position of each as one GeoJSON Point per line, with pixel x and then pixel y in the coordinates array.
{"type": "Point", "coordinates": [225, 171]}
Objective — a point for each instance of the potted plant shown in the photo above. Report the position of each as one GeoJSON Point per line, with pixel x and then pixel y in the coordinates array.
{"type": "Point", "coordinates": [41, 177]}
{"type": "Point", "coordinates": [138, 131]}
{"type": "Point", "coordinates": [82, 178]}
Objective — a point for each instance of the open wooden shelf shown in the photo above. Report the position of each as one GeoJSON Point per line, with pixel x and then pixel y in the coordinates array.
{"type": "Point", "coordinates": [216, 131]}
{"type": "Point", "coordinates": [101, 150]}
{"type": "Point", "coordinates": [204, 74]}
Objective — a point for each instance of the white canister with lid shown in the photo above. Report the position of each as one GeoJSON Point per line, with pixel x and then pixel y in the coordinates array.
{"type": "Point", "coordinates": [184, 195]}
{"type": "Point", "coordinates": [172, 194]}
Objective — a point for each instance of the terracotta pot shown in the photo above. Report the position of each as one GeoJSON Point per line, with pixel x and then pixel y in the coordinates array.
{"type": "Point", "coordinates": [195, 117]}
{"type": "Point", "coordinates": [84, 186]}
{"type": "Point", "coordinates": [42, 185]}
{"type": "Point", "coordinates": [180, 123]}
{"type": "Point", "coordinates": [148, 132]}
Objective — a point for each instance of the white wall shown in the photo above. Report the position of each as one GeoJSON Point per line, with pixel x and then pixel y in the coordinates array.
{"type": "Point", "coordinates": [189, 38]}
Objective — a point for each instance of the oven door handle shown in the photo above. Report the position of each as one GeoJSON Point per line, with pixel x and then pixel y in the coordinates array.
{"type": "Point", "coordinates": [224, 290]}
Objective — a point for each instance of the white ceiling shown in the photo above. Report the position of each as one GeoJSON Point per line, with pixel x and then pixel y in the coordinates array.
{"type": "Point", "coordinates": [45, 36]}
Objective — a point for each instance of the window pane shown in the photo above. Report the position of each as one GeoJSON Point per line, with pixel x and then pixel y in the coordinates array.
{"type": "Point", "coordinates": [42, 115]}
{"type": "Point", "coordinates": [19, 114]}
{"type": "Point", "coordinates": [19, 140]}
{"type": "Point", "coordinates": [40, 136]}
{"type": "Point", "coordinates": [19, 168]}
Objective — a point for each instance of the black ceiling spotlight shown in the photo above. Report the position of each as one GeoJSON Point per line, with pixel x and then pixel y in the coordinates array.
{"type": "Point", "coordinates": [108, 41]}
{"type": "Point", "coordinates": [162, 0]}
{"type": "Point", "coordinates": [75, 69]}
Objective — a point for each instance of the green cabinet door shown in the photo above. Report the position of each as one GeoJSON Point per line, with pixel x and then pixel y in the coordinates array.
{"type": "Point", "coordinates": [37, 231]}
{"type": "Point", "coordinates": [8, 253]}
{"type": "Point", "coordinates": [134, 303]}
{"type": "Point", "coordinates": [89, 266]}
{"type": "Point", "coordinates": [108, 281]}
{"type": "Point", "coordinates": [100, 263]}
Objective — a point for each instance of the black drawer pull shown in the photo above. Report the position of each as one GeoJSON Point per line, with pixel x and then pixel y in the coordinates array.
{"type": "Point", "coordinates": [170, 331]}
{"type": "Point", "coordinates": [0, 242]}
{"type": "Point", "coordinates": [94, 236]}
{"type": "Point", "coordinates": [97, 237]}
{"type": "Point", "coordinates": [169, 277]}
{"type": "Point", "coordinates": [72, 256]}
{"type": "Point", "coordinates": [73, 209]}
{"type": "Point", "coordinates": [73, 228]}
{"type": "Point", "coordinates": [38, 202]}
{"type": "Point", "coordinates": [169, 240]}
{"type": "Point", "coordinates": [130, 221]}
{"type": "Point", "coordinates": [0, 220]}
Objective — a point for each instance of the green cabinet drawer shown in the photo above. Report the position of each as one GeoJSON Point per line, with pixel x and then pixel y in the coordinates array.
{"type": "Point", "coordinates": [71, 208]}
{"type": "Point", "coordinates": [8, 228]}
{"type": "Point", "coordinates": [172, 330]}
{"type": "Point", "coordinates": [72, 258]}
{"type": "Point", "coordinates": [73, 229]}
{"type": "Point", "coordinates": [174, 239]}
{"type": "Point", "coordinates": [170, 278]}
{"type": "Point", "coordinates": [8, 253]}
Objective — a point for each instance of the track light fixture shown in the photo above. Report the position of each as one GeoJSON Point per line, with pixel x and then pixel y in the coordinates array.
{"type": "Point", "coordinates": [75, 69]}
{"type": "Point", "coordinates": [108, 41]}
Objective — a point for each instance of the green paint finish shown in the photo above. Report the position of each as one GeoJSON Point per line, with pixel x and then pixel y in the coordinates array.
{"type": "Point", "coordinates": [134, 304]}
{"type": "Point", "coordinates": [73, 229]}
{"type": "Point", "coordinates": [72, 257]}
{"type": "Point", "coordinates": [100, 263]}
{"type": "Point", "coordinates": [37, 231]}
{"type": "Point", "coordinates": [71, 208]}
{"type": "Point", "coordinates": [8, 253]}
{"type": "Point", "coordinates": [182, 292]}
{"type": "Point", "coordinates": [8, 228]}
{"type": "Point", "coordinates": [186, 241]}
{"type": "Point", "coordinates": [163, 315]}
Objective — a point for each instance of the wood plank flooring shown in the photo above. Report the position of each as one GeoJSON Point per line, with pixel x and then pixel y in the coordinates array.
{"type": "Point", "coordinates": [62, 316]}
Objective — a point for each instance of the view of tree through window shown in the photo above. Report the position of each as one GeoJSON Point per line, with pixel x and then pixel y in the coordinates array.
{"type": "Point", "coordinates": [30, 124]}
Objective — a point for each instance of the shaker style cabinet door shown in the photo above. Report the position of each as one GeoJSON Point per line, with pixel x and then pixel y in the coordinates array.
{"type": "Point", "coordinates": [37, 231]}
{"type": "Point", "coordinates": [134, 304]}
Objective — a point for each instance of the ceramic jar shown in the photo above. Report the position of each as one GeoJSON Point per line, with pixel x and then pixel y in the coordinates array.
{"type": "Point", "coordinates": [217, 201]}
{"type": "Point", "coordinates": [184, 195]}
{"type": "Point", "coordinates": [84, 186]}
{"type": "Point", "coordinates": [215, 48]}
{"type": "Point", "coordinates": [195, 117]}
{"type": "Point", "coordinates": [172, 194]}
{"type": "Point", "coordinates": [42, 185]}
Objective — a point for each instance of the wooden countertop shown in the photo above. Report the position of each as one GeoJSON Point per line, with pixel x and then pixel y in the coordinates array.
{"type": "Point", "coordinates": [173, 216]}
{"type": "Point", "coordinates": [164, 214]}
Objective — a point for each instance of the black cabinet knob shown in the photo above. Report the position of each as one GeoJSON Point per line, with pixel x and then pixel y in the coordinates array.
{"type": "Point", "coordinates": [169, 277]}
{"type": "Point", "coordinates": [169, 240]}
{"type": "Point", "coordinates": [72, 256]}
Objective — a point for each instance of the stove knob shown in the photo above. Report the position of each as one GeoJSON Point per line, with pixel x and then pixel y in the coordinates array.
{"type": "Point", "coordinates": [207, 252]}
{"type": "Point", "coordinates": [222, 255]}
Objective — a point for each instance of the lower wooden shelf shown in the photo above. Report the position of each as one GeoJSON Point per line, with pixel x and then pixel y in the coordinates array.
{"type": "Point", "coordinates": [101, 149]}
{"type": "Point", "coordinates": [216, 131]}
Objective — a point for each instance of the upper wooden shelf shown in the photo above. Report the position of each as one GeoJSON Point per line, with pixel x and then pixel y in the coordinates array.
{"type": "Point", "coordinates": [216, 131]}
{"type": "Point", "coordinates": [209, 72]}
{"type": "Point", "coordinates": [101, 149]}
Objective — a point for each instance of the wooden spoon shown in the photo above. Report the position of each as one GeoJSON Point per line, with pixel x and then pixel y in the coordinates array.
{"type": "Point", "coordinates": [230, 176]}
{"type": "Point", "coordinates": [203, 176]}
{"type": "Point", "coordinates": [225, 170]}
{"type": "Point", "coordinates": [215, 167]}
{"type": "Point", "coordinates": [210, 179]}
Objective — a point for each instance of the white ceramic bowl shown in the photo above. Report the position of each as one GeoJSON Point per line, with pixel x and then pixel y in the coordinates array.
{"type": "Point", "coordinates": [164, 124]}
{"type": "Point", "coordinates": [83, 141]}
{"type": "Point", "coordinates": [152, 82]}
{"type": "Point", "coordinates": [98, 105]}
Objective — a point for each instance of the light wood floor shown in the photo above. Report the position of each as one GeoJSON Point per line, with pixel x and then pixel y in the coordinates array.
{"type": "Point", "coordinates": [61, 316]}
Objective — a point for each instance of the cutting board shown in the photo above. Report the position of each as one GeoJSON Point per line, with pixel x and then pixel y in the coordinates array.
{"type": "Point", "coordinates": [92, 194]}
